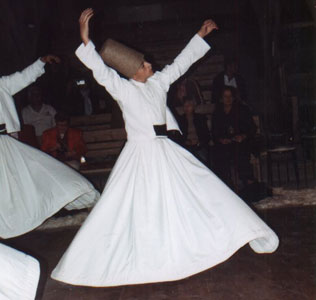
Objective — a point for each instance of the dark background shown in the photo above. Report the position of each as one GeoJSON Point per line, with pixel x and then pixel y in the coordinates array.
{"type": "Point", "coordinates": [274, 41]}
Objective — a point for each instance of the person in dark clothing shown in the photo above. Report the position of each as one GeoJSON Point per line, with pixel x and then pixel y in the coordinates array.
{"type": "Point", "coordinates": [80, 99]}
{"type": "Point", "coordinates": [184, 89]}
{"type": "Point", "coordinates": [195, 133]}
{"type": "Point", "coordinates": [233, 130]}
{"type": "Point", "coordinates": [229, 77]}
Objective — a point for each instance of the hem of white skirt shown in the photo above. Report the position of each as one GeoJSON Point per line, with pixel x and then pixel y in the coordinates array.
{"type": "Point", "coordinates": [187, 271]}
{"type": "Point", "coordinates": [43, 219]}
{"type": "Point", "coordinates": [31, 280]}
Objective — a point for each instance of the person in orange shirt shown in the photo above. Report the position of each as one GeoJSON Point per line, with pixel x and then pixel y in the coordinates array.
{"type": "Point", "coordinates": [64, 143]}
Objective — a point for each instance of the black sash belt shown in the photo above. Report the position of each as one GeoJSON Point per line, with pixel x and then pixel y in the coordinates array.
{"type": "Point", "coordinates": [161, 130]}
{"type": "Point", "coordinates": [3, 130]}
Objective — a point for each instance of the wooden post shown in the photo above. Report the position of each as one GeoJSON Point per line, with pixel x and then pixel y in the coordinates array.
{"type": "Point", "coordinates": [267, 60]}
{"type": "Point", "coordinates": [295, 119]}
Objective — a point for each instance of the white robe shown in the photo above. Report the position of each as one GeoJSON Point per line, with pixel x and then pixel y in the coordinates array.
{"type": "Point", "coordinates": [163, 215]}
{"type": "Point", "coordinates": [33, 185]}
{"type": "Point", "coordinates": [19, 275]}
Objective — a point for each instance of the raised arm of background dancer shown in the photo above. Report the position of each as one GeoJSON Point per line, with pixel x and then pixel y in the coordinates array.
{"type": "Point", "coordinates": [19, 80]}
{"type": "Point", "coordinates": [86, 52]}
{"type": "Point", "coordinates": [195, 50]}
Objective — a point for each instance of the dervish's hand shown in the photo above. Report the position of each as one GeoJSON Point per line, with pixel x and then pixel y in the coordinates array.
{"type": "Point", "coordinates": [50, 59]}
{"type": "Point", "coordinates": [85, 16]}
{"type": "Point", "coordinates": [207, 27]}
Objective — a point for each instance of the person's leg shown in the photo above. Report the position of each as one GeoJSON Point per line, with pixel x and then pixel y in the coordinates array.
{"type": "Point", "coordinates": [222, 162]}
{"type": "Point", "coordinates": [242, 163]}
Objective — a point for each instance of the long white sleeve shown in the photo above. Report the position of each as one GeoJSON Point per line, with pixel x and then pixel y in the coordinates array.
{"type": "Point", "coordinates": [194, 50]}
{"type": "Point", "coordinates": [103, 74]}
{"type": "Point", "coordinates": [19, 80]}
{"type": "Point", "coordinates": [10, 85]}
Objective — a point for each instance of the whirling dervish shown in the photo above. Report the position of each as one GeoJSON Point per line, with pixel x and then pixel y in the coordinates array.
{"type": "Point", "coordinates": [163, 215]}
{"type": "Point", "coordinates": [33, 185]}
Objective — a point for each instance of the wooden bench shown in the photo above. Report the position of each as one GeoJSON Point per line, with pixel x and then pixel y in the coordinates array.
{"type": "Point", "coordinates": [93, 122]}
{"type": "Point", "coordinates": [104, 145]}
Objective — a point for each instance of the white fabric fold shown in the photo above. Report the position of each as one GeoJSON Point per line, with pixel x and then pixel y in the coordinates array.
{"type": "Point", "coordinates": [19, 274]}
{"type": "Point", "coordinates": [34, 186]}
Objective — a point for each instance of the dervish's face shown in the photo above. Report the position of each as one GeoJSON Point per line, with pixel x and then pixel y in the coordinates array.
{"type": "Point", "coordinates": [144, 72]}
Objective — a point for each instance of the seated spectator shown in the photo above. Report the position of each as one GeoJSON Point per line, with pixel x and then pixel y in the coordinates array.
{"type": "Point", "coordinates": [80, 99]}
{"type": "Point", "coordinates": [38, 114]}
{"type": "Point", "coordinates": [195, 132]}
{"type": "Point", "coordinates": [229, 77]}
{"type": "Point", "coordinates": [186, 88]}
{"type": "Point", "coordinates": [64, 143]}
{"type": "Point", "coordinates": [233, 130]}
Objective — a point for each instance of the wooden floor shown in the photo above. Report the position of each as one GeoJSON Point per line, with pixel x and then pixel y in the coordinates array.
{"type": "Point", "coordinates": [288, 274]}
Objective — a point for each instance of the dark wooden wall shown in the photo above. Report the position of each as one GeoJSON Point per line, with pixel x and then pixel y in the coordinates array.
{"type": "Point", "coordinates": [251, 30]}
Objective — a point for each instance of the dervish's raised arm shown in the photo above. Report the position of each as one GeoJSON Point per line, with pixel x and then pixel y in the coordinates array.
{"type": "Point", "coordinates": [86, 52]}
{"type": "Point", "coordinates": [194, 50]}
{"type": "Point", "coordinates": [19, 80]}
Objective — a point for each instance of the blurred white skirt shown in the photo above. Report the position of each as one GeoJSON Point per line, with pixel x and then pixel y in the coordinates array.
{"type": "Point", "coordinates": [34, 186]}
{"type": "Point", "coordinates": [162, 216]}
{"type": "Point", "coordinates": [19, 274]}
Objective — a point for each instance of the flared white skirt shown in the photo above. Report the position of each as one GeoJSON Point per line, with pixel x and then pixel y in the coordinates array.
{"type": "Point", "coordinates": [34, 186]}
{"type": "Point", "coordinates": [162, 216]}
{"type": "Point", "coordinates": [19, 274]}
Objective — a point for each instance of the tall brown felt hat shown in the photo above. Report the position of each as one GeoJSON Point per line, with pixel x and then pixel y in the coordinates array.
{"type": "Point", "coordinates": [122, 58]}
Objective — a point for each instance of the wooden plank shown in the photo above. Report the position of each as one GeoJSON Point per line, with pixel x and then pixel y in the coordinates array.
{"type": "Point", "coordinates": [201, 109]}
{"type": "Point", "coordinates": [201, 68]}
{"type": "Point", "coordinates": [205, 82]}
{"type": "Point", "coordinates": [95, 136]}
{"type": "Point", "coordinates": [94, 127]}
{"type": "Point", "coordinates": [207, 95]}
{"type": "Point", "coordinates": [205, 108]}
{"type": "Point", "coordinates": [202, 77]}
{"type": "Point", "coordinates": [96, 168]}
{"type": "Point", "coordinates": [209, 69]}
{"type": "Point", "coordinates": [90, 120]}
{"type": "Point", "coordinates": [298, 25]}
{"type": "Point", "coordinates": [105, 145]}
{"type": "Point", "coordinates": [103, 152]}
{"type": "Point", "coordinates": [172, 54]}
{"type": "Point", "coordinates": [96, 171]}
